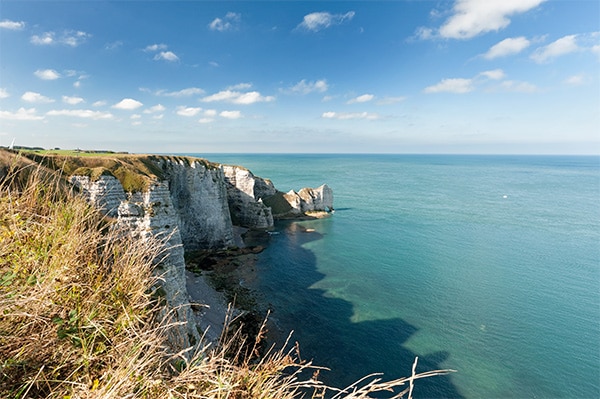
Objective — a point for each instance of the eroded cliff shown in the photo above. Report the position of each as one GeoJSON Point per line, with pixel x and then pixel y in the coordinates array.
{"type": "Point", "coordinates": [190, 204]}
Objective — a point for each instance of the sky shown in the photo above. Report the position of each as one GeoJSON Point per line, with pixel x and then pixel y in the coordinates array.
{"type": "Point", "coordinates": [461, 76]}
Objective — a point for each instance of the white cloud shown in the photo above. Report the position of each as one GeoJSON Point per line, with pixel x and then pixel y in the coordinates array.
{"type": "Point", "coordinates": [12, 25]}
{"type": "Point", "coordinates": [167, 56]}
{"type": "Point", "coordinates": [349, 115]}
{"type": "Point", "coordinates": [113, 45]}
{"type": "Point", "coordinates": [128, 104]}
{"type": "Point", "coordinates": [519, 87]}
{"type": "Point", "coordinates": [495, 74]}
{"type": "Point", "coordinates": [510, 46]}
{"type": "Point", "coordinates": [474, 17]}
{"type": "Point", "coordinates": [231, 114]}
{"type": "Point", "coordinates": [317, 21]}
{"type": "Point", "coordinates": [304, 87]}
{"type": "Point", "coordinates": [155, 47]}
{"type": "Point", "coordinates": [155, 108]}
{"type": "Point", "coordinates": [33, 97]}
{"type": "Point", "coordinates": [22, 114]}
{"type": "Point", "coordinates": [43, 40]}
{"type": "Point", "coordinates": [562, 46]}
{"type": "Point", "coordinates": [190, 91]}
{"type": "Point", "coordinates": [4, 93]}
{"type": "Point", "coordinates": [135, 116]}
{"type": "Point", "coordinates": [99, 103]}
{"type": "Point", "coordinates": [81, 113]}
{"type": "Point", "coordinates": [229, 22]}
{"type": "Point", "coordinates": [209, 116]}
{"type": "Point", "coordinates": [158, 116]}
{"type": "Point", "coordinates": [68, 38]}
{"type": "Point", "coordinates": [237, 97]}
{"type": "Point", "coordinates": [47, 74]}
{"type": "Point", "coordinates": [457, 85]}
{"type": "Point", "coordinates": [362, 99]}
{"type": "Point", "coordinates": [575, 80]}
{"type": "Point", "coordinates": [74, 38]}
{"type": "Point", "coordinates": [72, 100]}
{"type": "Point", "coordinates": [188, 111]}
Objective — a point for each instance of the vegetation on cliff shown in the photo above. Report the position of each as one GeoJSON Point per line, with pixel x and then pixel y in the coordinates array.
{"type": "Point", "coordinates": [81, 315]}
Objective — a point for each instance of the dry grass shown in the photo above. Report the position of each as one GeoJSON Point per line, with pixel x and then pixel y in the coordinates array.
{"type": "Point", "coordinates": [79, 314]}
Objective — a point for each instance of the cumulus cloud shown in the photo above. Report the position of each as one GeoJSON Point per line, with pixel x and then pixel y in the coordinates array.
{"type": "Point", "coordinates": [128, 104]}
{"type": "Point", "coordinates": [231, 114]}
{"type": "Point", "coordinates": [237, 97]}
{"type": "Point", "coordinates": [4, 93]}
{"type": "Point", "coordinates": [229, 22]}
{"type": "Point", "coordinates": [22, 114]}
{"type": "Point", "coordinates": [519, 87]}
{"type": "Point", "coordinates": [317, 21]}
{"type": "Point", "coordinates": [190, 91]}
{"type": "Point", "coordinates": [72, 100]}
{"type": "Point", "coordinates": [456, 85]}
{"type": "Point", "coordinates": [47, 74]}
{"type": "Point", "coordinates": [304, 87]}
{"type": "Point", "coordinates": [495, 74]}
{"type": "Point", "coordinates": [11, 25]}
{"type": "Point", "coordinates": [44, 39]}
{"type": "Point", "coordinates": [362, 99]}
{"type": "Point", "coordinates": [68, 38]}
{"type": "Point", "coordinates": [33, 97]}
{"type": "Point", "coordinates": [167, 56]}
{"type": "Point", "coordinates": [155, 47]}
{"type": "Point", "coordinates": [81, 113]}
{"type": "Point", "coordinates": [154, 109]}
{"type": "Point", "coordinates": [349, 115]}
{"type": "Point", "coordinates": [510, 46]}
{"type": "Point", "coordinates": [74, 38]}
{"type": "Point", "coordinates": [562, 46]}
{"type": "Point", "coordinates": [471, 18]}
{"type": "Point", "coordinates": [188, 111]}
{"type": "Point", "coordinates": [99, 103]}
{"type": "Point", "coordinates": [575, 80]}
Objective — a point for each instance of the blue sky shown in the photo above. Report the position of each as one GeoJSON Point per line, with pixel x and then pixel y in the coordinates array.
{"type": "Point", "coordinates": [462, 76]}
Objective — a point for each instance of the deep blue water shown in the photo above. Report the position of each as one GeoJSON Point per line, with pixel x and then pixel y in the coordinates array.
{"type": "Point", "coordinates": [489, 265]}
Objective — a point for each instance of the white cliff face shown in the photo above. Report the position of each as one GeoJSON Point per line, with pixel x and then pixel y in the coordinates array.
{"type": "Point", "coordinates": [316, 199]}
{"type": "Point", "coordinates": [195, 205]}
{"type": "Point", "coordinates": [245, 193]}
{"type": "Point", "coordinates": [145, 214]}
{"type": "Point", "coordinates": [199, 195]}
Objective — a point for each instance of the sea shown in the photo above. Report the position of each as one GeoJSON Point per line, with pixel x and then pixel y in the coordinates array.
{"type": "Point", "coordinates": [487, 265]}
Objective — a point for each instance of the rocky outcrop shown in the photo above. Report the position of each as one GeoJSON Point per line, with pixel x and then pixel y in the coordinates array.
{"type": "Point", "coordinates": [307, 200]}
{"type": "Point", "coordinates": [245, 193]}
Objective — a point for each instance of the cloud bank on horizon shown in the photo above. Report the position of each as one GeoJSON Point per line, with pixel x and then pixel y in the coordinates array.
{"type": "Point", "coordinates": [500, 76]}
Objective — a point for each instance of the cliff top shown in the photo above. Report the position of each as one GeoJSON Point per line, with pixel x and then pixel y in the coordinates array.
{"type": "Point", "coordinates": [134, 171]}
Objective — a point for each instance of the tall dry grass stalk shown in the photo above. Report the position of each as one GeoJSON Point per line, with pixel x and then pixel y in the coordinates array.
{"type": "Point", "coordinates": [79, 315]}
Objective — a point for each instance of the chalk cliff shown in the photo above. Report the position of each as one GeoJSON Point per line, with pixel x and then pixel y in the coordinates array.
{"type": "Point", "coordinates": [194, 204]}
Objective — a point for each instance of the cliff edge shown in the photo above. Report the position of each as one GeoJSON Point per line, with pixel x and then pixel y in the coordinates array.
{"type": "Point", "coordinates": [189, 203]}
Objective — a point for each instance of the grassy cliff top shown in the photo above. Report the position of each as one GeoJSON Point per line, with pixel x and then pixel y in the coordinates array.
{"type": "Point", "coordinates": [135, 171]}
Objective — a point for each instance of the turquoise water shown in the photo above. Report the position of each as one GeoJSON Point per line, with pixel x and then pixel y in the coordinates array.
{"type": "Point", "coordinates": [489, 265]}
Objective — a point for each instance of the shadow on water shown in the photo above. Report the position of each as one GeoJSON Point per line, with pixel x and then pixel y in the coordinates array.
{"type": "Point", "coordinates": [322, 325]}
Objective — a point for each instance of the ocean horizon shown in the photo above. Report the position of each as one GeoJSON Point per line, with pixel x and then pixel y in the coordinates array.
{"type": "Point", "coordinates": [485, 264]}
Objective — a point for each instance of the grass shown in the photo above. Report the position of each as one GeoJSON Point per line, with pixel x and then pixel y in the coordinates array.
{"type": "Point", "coordinates": [81, 314]}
